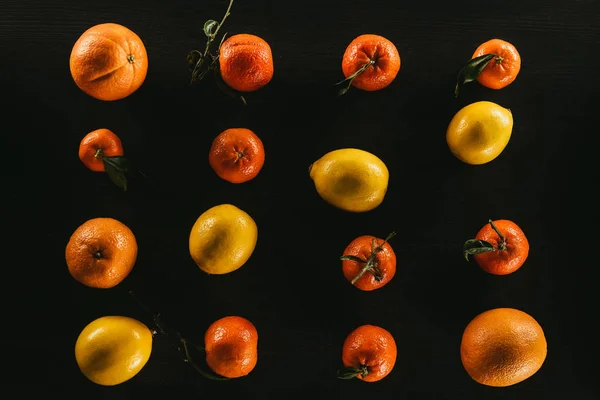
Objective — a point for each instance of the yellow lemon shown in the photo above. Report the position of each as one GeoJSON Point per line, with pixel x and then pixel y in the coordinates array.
{"type": "Point", "coordinates": [222, 239]}
{"type": "Point", "coordinates": [479, 132]}
{"type": "Point", "coordinates": [113, 349]}
{"type": "Point", "coordinates": [350, 179]}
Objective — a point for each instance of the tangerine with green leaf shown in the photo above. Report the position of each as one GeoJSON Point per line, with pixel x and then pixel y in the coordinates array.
{"type": "Point", "coordinates": [102, 151]}
{"type": "Point", "coordinates": [369, 262]}
{"type": "Point", "coordinates": [369, 353]}
{"type": "Point", "coordinates": [370, 63]}
{"type": "Point", "coordinates": [499, 248]}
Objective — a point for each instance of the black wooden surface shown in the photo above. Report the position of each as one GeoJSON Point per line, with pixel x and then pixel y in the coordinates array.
{"type": "Point", "coordinates": [292, 288]}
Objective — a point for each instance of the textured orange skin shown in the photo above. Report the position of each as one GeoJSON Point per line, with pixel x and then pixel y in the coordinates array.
{"type": "Point", "coordinates": [386, 260]}
{"type": "Point", "coordinates": [499, 75]}
{"type": "Point", "coordinates": [102, 139]}
{"type": "Point", "coordinates": [370, 346]}
{"type": "Point", "coordinates": [502, 347]}
{"type": "Point", "coordinates": [231, 346]}
{"type": "Point", "coordinates": [246, 62]}
{"type": "Point", "coordinates": [118, 248]}
{"type": "Point", "coordinates": [237, 155]}
{"type": "Point", "coordinates": [503, 262]}
{"type": "Point", "coordinates": [371, 47]}
{"type": "Point", "coordinates": [109, 62]}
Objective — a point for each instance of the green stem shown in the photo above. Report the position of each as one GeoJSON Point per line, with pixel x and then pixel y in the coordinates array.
{"type": "Point", "coordinates": [353, 76]}
{"type": "Point", "coordinates": [98, 153]}
{"type": "Point", "coordinates": [371, 264]}
{"type": "Point", "coordinates": [502, 244]}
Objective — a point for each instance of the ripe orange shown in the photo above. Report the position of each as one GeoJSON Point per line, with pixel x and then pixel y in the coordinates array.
{"type": "Point", "coordinates": [109, 62]}
{"type": "Point", "coordinates": [246, 62]}
{"type": "Point", "coordinates": [503, 69]}
{"type": "Point", "coordinates": [98, 144]}
{"type": "Point", "coordinates": [368, 262]}
{"type": "Point", "coordinates": [101, 253]}
{"type": "Point", "coordinates": [231, 346]}
{"type": "Point", "coordinates": [499, 248]}
{"type": "Point", "coordinates": [502, 347]}
{"type": "Point", "coordinates": [378, 57]}
{"type": "Point", "coordinates": [237, 155]}
{"type": "Point", "coordinates": [368, 353]}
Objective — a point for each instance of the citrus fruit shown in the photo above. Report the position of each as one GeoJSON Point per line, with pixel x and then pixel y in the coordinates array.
{"type": "Point", "coordinates": [96, 145]}
{"type": "Point", "coordinates": [222, 239]}
{"type": "Point", "coordinates": [503, 68]}
{"type": "Point", "coordinates": [350, 179]}
{"type": "Point", "coordinates": [499, 248]}
{"type": "Point", "coordinates": [101, 252]}
{"type": "Point", "coordinates": [479, 132]}
{"type": "Point", "coordinates": [375, 57]}
{"type": "Point", "coordinates": [113, 349]}
{"type": "Point", "coordinates": [502, 347]}
{"type": "Point", "coordinates": [109, 62]}
{"type": "Point", "coordinates": [369, 262]}
{"type": "Point", "coordinates": [246, 62]}
{"type": "Point", "coordinates": [368, 353]}
{"type": "Point", "coordinates": [237, 155]}
{"type": "Point", "coordinates": [231, 346]}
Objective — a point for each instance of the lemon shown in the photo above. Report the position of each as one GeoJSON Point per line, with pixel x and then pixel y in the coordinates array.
{"type": "Point", "coordinates": [113, 349]}
{"type": "Point", "coordinates": [350, 179]}
{"type": "Point", "coordinates": [479, 132]}
{"type": "Point", "coordinates": [222, 239]}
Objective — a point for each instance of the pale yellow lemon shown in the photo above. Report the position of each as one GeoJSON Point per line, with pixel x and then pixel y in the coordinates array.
{"type": "Point", "coordinates": [113, 349]}
{"type": "Point", "coordinates": [350, 179]}
{"type": "Point", "coordinates": [222, 239]}
{"type": "Point", "coordinates": [479, 132]}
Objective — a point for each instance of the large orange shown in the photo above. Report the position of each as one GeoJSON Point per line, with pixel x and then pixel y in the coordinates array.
{"type": "Point", "coordinates": [246, 62]}
{"type": "Point", "coordinates": [368, 353]}
{"type": "Point", "coordinates": [381, 55]}
{"type": "Point", "coordinates": [101, 253]}
{"type": "Point", "coordinates": [237, 155]}
{"type": "Point", "coordinates": [231, 346]}
{"type": "Point", "coordinates": [502, 347]}
{"type": "Point", "coordinates": [501, 70]}
{"type": "Point", "coordinates": [109, 61]}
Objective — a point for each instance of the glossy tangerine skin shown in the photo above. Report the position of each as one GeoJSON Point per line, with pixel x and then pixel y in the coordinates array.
{"type": "Point", "coordinates": [365, 48]}
{"type": "Point", "coordinates": [246, 62]}
{"type": "Point", "coordinates": [373, 347]}
{"type": "Point", "coordinates": [100, 139]}
{"type": "Point", "coordinates": [237, 155]}
{"type": "Point", "coordinates": [231, 346]}
{"type": "Point", "coordinates": [499, 72]}
{"type": "Point", "coordinates": [503, 262]}
{"type": "Point", "coordinates": [362, 247]}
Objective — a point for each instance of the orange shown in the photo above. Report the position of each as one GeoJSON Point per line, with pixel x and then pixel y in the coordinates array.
{"type": "Point", "coordinates": [98, 144]}
{"type": "Point", "coordinates": [369, 262]}
{"type": "Point", "coordinates": [502, 347]}
{"type": "Point", "coordinates": [368, 353]}
{"type": "Point", "coordinates": [109, 62]}
{"type": "Point", "coordinates": [101, 253]}
{"type": "Point", "coordinates": [237, 155]}
{"type": "Point", "coordinates": [503, 69]}
{"type": "Point", "coordinates": [246, 62]}
{"type": "Point", "coordinates": [231, 346]}
{"type": "Point", "coordinates": [378, 54]}
{"type": "Point", "coordinates": [499, 248]}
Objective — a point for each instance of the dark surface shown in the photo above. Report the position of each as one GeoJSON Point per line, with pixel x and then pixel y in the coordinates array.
{"type": "Point", "coordinates": [292, 288]}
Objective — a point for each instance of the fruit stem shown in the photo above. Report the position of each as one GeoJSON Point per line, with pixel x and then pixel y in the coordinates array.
{"type": "Point", "coordinates": [351, 77]}
{"type": "Point", "coordinates": [371, 264]}
{"type": "Point", "coordinates": [502, 244]}
{"type": "Point", "coordinates": [98, 153]}
{"type": "Point", "coordinates": [131, 58]}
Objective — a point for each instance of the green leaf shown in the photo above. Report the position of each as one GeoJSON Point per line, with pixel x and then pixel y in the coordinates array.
{"type": "Point", "coordinates": [352, 258]}
{"type": "Point", "coordinates": [210, 27]}
{"type": "Point", "coordinates": [120, 163]}
{"type": "Point", "coordinates": [476, 246]}
{"type": "Point", "coordinates": [116, 175]}
{"type": "Point", "coordinates": [472, 70]}
{"type": "Point", "coordinates": [348, 372]}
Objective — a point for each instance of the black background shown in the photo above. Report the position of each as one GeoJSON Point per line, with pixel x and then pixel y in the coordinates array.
{"type": "Point", "coordinates": [292, 288]}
